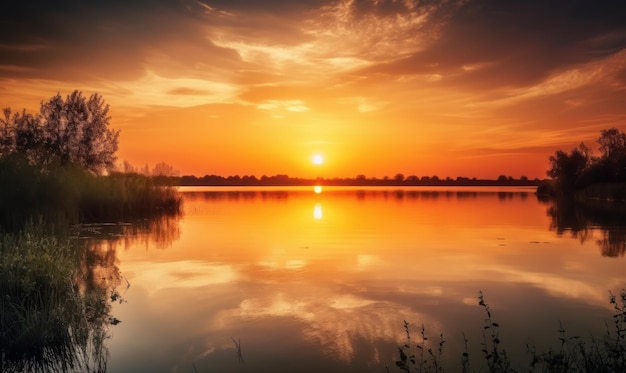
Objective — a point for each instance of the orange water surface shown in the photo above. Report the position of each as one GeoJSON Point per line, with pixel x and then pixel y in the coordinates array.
{"type": "Point", "coordinates": [304, 280]}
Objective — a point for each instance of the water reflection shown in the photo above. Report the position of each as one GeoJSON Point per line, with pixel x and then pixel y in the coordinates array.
{"type": "Point", "coordinates": [50, 319]}
{"type": "Point", "coordinates": [159, 233]}
{"type": "Point", "coordinates": [57, 293]}
{"type": "Point", "coordinates": [416, 193]}
{"type": "Point", "coordinates": [601, 222]}
{"type": "Point", "coordinates": [317, 211]}
{"type": "Point", "coordinates": [255, 266]}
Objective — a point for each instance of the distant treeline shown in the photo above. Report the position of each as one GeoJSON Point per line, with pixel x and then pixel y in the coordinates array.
{"type": "Point", "coordinates": [359, 180]}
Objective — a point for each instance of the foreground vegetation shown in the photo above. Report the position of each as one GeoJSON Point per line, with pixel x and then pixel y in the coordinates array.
{"type": "Point", "coordinates": [57, 172]}
{"type": "Point", "coordinates": [55, 304]}
{"type": "Point", "coordinates": [58, 166]}
{"type": "Point", "coordinates": [63, 196]}
{"type": "Point", "coordinates": [606, 353]}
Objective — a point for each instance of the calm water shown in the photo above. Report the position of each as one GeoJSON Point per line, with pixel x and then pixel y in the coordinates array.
{"type": "Point", "coordinates": [321, 282]}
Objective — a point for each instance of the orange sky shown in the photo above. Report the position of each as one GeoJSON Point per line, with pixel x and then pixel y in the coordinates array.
{"type": "Point", "coordinates": [456, 88]}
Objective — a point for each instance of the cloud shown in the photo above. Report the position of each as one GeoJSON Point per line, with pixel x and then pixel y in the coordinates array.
{"type": "Point", "coordinates": [606, 71]}
{"type": "Point", "coordinates": [113, 40]}
{"type": "Point", "coordinates": [492, 44]}
{"type": "Point", "coordinates": [295, 106]}
{"type": "Point", "coordinates": [184, 91]}
{"type": "Point", "coordinates": [371, 30]}
{"type": "Point", "coordinates": [478, 44]}
{"type": "Point", "coordinates": [337, 324]}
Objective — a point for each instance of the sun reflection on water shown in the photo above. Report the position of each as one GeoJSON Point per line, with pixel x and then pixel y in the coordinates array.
{"type": "Point", "coordinates": [317, 211]}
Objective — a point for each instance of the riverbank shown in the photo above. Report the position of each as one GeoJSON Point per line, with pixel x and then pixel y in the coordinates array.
{"type": "Point", "coordinates": [607, 192]}
{"type": "Point", "coordinates": [57, 286]}
{"type": "Point", "coordinates": [59, 197]}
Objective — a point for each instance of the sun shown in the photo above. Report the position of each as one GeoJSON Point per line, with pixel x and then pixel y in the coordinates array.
{"type": "Point", "coordinates": [317, 159]}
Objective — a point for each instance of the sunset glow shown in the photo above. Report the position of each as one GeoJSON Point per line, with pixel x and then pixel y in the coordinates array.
{"type": "Point", "coordinates": [457, 88]}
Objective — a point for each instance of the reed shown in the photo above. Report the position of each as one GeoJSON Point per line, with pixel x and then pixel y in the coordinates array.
{"type": "Point", "coordinates": [423, 356]}
{"type": "Point", "coordinates": [52, 317]}
{"type": "Point", "coordinates": [55, 298]}
{"type": "Point", "coordinates": [63, 196]}
{"type": "Point", "coordinates": [606, 353]}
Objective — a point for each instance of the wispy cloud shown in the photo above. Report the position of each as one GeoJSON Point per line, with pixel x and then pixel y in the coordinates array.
{"type": "Point", "coordinates": [290, 105]}
{"type": "Point", "coordinates": [606, 71]}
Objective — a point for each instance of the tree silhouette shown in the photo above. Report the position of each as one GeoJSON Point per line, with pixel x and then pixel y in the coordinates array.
{"type": "Point", "coordinates": [567, 168]}
{"type": "Point", "coordinates": [578, 169]}
{"type": "Point", "coordinates": [74, 130]}
{"type": "Point", "coordinates": [164, 169]}
{"type": "Point", "coordinates": [612, 144]}
{"type": "Point", "coordinates": [612, 163]}
{"type": "Point", "coordinates": [21, 133]}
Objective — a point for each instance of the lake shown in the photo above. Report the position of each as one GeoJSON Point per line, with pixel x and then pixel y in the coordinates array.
{"type": "Point", "coordinates": [297, 279]}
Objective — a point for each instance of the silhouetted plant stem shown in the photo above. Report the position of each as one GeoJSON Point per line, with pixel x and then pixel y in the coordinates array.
{"type": "Point", "coordinates": [465, 357]}
{"type": "Point", "coordinates": [605, 354]}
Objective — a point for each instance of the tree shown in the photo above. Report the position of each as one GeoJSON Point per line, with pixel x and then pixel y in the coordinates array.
{"type": "Point", "coordinates": [164, 169]}
{"type": "Point", "coordinates": [76, 131]}
{"type": "Point", "coordinates": [71, 131]}
{"type": "Point", "coordinates": [145, 170]}
{"type": "Point", "coordinates": [398, 178]}
{"type": "Point", "coordinates": [128, 168]}
{"type": "Point", "coordinates": [567, 168]}
{"type": "Point", "coordinates": [21, 133]}
{"type": "Point", "coordinates": [612, 144]}
{"type": "Point", "coordinates": [612, 164]}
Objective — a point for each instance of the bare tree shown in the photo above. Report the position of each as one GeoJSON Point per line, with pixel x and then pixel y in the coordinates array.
{"type": "Point", "coordinates": [164, 169]}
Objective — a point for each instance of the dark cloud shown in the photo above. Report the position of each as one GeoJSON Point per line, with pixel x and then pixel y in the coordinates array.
{"type": "Point", "coordinates": [495, 43]}
{"type": "Point", "coordinates": [274, 6]}
{"type": "Point", "coordinates": [265, 27]}
{"type": "Point", "coordinates": [99, 39]}
{"type": "Point", "coordinates": [479, 44]}
{"type": "Point", "coordinates": [381, 8]}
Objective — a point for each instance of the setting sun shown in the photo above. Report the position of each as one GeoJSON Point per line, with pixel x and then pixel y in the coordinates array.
{"type": "Point", "coordinates": [317, 159]}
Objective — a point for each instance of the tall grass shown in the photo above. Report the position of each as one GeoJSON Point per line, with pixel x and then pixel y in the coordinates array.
{"type": "Point", "coordinates": [126, 196]}
{"type": "Point", "coordinates": [55, 291]}
{"type": "Point", "coordinates": [606, 353]}
{"type": "Point", "coordinates": [54, 309]}
{"type": "Point", "coordinates": [62, 196]}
